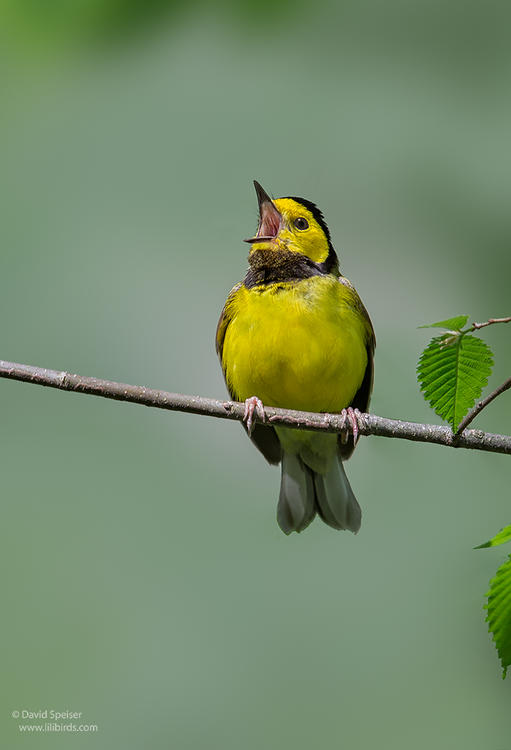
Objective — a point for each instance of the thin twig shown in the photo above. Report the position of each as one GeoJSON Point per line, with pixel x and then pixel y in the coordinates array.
{"type": "Point", "coordinates": [490, 322]}
{"type": "Point", "coordinates": [369, 424]}
{"type": "Point", "coordinates": [480, 406]}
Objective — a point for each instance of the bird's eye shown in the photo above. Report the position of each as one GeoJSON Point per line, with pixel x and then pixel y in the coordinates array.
{"type": "Point", "coordinates": [301, 223]}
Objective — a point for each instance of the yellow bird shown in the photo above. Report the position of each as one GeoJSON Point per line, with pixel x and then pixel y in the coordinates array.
{"type": "Point", "coordinates": [295, 334]}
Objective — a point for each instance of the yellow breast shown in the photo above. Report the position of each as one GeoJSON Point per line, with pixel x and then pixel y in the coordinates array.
{"type": "Point", "coordinates": [297, 345]}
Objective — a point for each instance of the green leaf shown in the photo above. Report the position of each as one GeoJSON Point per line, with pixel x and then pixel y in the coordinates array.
{"type": "Point", "coordinates": [451, 324]}
{"type": "Point", "coordinates": [452, 372]}
{"type": "Point", "coordinates": [499, 613]}
{"type": "Point", "coordinates": [504, 535]}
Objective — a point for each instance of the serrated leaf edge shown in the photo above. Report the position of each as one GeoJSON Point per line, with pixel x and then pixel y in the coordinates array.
{"type": "Point", "coordinates": [496, 586]}
{"type": "Point", "coordinates": [471, 382]}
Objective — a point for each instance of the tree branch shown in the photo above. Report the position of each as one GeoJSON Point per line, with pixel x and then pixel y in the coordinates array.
{"type": "Point", "coordinates": [369, 423]}
{"type": "Point", "coordinates": [480, 406]}
{"type": "Point", "coordinates": [490, 322]}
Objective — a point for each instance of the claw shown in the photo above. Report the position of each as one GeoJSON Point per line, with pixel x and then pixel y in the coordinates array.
{"type": "Point", "coordinates": [253, 405]}
{"type": "Point", "coordinates": [349, 415]}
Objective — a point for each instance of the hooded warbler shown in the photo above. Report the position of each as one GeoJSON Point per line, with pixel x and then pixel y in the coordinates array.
{"type": "Point", "coordinates": [295, 334]}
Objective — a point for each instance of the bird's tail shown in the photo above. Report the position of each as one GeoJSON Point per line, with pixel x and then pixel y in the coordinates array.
{"type": "Point", "coordinates": [304, 492]}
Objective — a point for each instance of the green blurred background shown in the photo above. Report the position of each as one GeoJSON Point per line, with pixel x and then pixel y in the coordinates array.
{"type": "Point", "coordinates": [145, 581]}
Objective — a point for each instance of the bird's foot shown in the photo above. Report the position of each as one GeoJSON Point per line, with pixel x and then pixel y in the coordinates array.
{"type": "Point", "coordinates": [253, 408]}
{"type": "Point", "coordinates": [349, 416]}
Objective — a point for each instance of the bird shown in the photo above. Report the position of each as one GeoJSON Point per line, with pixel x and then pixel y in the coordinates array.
{"type": "Point", "coordinates": [295, 334]}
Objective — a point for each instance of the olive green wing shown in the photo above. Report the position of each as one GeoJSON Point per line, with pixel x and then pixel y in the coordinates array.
{"type": "Point", "coordinates": [363, 395]}
{"type": "Point", "coordinates": [264, 438]}
{"type": "Point", "coordinates": [225, 318]}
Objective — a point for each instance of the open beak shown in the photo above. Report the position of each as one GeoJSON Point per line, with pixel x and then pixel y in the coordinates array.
{"type": "Point", "coordinates": [269, 217]}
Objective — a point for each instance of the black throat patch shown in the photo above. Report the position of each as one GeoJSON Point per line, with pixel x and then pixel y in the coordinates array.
{"type": "Point", "coordinates": [273, 266]}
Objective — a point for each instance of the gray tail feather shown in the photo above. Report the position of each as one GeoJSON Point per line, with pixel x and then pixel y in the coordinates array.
{"type": "Point", "coordinates": [336, 503]}
{"type": "Point", "coordinates": [303, 493]}
{"type": "Point", "coordinates": [297, 506]}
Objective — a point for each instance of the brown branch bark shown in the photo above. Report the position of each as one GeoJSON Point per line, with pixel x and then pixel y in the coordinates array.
{"type": "Point", "coordinates": [369, 424]}
{"type": "Point", "coordinates": [490, 322]}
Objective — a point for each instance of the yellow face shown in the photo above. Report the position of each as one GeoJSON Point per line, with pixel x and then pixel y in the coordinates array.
{"type": "Point", "coordinates": [288, 225]}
